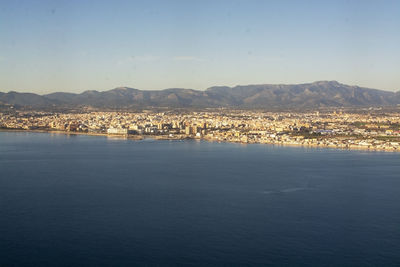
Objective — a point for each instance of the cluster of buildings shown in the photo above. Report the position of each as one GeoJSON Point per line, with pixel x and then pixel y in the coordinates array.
{"type": "Point", "coordinates": [330, 129]}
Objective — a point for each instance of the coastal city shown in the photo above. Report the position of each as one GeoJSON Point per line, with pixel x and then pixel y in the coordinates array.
{"type": "Point", "coordinates": [335, 129]}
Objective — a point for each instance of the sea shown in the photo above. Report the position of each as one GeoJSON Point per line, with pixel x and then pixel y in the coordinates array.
{"type": "Point", "coordinates": [76, 200]}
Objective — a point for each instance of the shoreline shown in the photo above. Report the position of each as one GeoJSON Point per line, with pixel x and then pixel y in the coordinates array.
{"type": "Point", "coordinates": [162, 137]}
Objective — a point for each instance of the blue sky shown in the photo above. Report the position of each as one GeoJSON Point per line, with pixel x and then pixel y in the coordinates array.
{"type": "Point", "coordinates": [48, 46]}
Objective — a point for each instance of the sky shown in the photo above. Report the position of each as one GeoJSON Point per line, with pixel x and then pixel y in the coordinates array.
{"type": "Point", "coordinates": [78, 45]}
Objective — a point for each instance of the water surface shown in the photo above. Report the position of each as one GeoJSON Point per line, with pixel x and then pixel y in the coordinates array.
{"type": "Point", "coordinates": [90, 201]}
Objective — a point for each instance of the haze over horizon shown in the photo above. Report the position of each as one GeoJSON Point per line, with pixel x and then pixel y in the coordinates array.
{"type": "Point", "coordinates": [73, 46]}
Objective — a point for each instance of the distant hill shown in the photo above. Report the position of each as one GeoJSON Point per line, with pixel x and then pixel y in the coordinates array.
{"type": "Point", "coordinates": [309, 95]}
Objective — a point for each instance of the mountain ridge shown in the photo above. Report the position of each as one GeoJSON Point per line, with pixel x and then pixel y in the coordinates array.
{"type": "Point", "coordinates": [307, 95]}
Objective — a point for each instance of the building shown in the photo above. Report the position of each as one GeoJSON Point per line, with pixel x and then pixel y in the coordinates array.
{"type": "Point", "coordinates": [117, 131]}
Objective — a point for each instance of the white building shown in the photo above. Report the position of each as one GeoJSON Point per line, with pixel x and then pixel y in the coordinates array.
{"type": "Point", "coordinates": [117, 131]}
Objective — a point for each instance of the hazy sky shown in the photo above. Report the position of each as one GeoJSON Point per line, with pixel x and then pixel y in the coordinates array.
{"type": "Point", "coordinates": [73, 46]}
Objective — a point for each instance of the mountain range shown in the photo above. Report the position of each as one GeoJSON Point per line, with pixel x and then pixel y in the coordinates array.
{"type": "Point", "coordinates": [264, 96]}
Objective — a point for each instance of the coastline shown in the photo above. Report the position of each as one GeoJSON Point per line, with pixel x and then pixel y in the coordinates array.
{"type": "Point", "coordinates": [163, 137]}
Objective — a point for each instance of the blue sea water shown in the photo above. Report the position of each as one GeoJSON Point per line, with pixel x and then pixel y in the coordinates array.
{"type": "Point", "coordinates": [69, 200]}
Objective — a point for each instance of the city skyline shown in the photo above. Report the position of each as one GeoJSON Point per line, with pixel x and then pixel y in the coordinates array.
{"type": "Point", "coordinates": [50, 46]}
